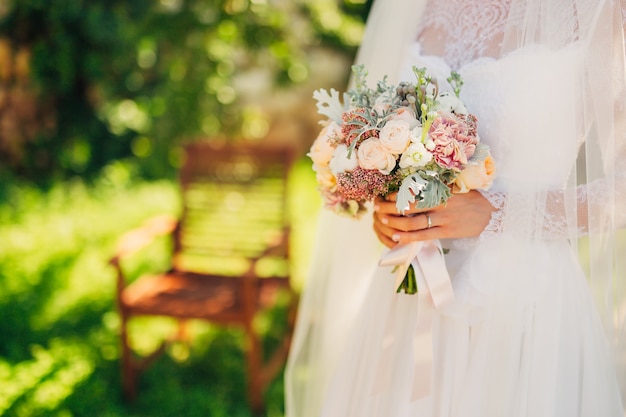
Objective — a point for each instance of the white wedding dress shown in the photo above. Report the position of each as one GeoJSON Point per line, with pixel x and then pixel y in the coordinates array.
{"type": "Point", "coordinates": [523, 337]}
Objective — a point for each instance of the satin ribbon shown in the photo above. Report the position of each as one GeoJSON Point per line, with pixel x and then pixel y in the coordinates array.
{"type": "Point", "coordinates": [434, 291]}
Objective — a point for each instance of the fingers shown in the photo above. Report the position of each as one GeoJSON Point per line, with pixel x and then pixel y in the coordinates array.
{"type": "Point", "coordinates": [388, 205]}
{"type": "Point", "coordinates": [384, 234]}
{"type": "Point", "coordinates": [464, 215]}
{"type": "Point", "coordinates": [419, 235]}
{"type": "Point", "coordinates": [408, 223]}
{"type": "Point", "coordinates": [405, 229]}
{"type": "Point", "coordinates": [393, 229]}
{"type": "Point", "coordinates": [382, 205]}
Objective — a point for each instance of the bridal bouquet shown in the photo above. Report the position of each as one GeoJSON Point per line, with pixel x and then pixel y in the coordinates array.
{"type": "Point", "coordinates": [408, 138]}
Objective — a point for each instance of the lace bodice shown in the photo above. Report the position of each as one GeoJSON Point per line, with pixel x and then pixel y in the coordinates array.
{"type": "Point", "coordinates": [460, 31]}
{"type": "Point", "coordinates": [464, 35]}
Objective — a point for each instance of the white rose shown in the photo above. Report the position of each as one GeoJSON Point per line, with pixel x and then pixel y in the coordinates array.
{"type": "Point", "coordinates": [449, 102]}
{"type": "Point", "coordinates": [395, 136]}
{"type": "Point", "coordinates": [407, 114]}
{"type": "Point", "coordinates": [373, 155]}
{"type": "Point", "coordinates": [322, 149]}
{"type": "Point", "coordinates": [416, 156]}
{"type": "Point", "coordinates": [341, 162]}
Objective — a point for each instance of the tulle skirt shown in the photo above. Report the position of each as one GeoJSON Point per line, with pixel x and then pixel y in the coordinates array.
{"type": "Point", "coordinates": [521, 339]}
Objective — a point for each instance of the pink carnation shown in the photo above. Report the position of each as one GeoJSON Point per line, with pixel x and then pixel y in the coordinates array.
{"type": "Point", "coordinates": [469, 138]}
{"type": "Point", "coordinates": [454, 139]}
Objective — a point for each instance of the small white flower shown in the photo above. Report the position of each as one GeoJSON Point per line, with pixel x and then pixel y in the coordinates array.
{"type": "Point", "coordinates": [429, 144]}
{"type": "Point", "coordinates": [341, 162]}
{"type": "Point", "coordinates": [416, 156]}
{"type": "Point", "coordinates": [432, 114]}
{"type": "Point", "coordinates": [416, 134]}
{"type": "Point", "coordinates": [449, 102]}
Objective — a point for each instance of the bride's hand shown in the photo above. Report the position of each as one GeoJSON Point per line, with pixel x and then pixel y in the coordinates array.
{"type": "Point", "coordinates": [464, 215]}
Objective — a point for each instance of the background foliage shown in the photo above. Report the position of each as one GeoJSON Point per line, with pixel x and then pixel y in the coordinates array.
{"type": "Point", "coordinates": [59, 344]}
{"type": "Point", "coordinates": [86, 82]}
{"type": "Point", "coordinates": [96, 97]}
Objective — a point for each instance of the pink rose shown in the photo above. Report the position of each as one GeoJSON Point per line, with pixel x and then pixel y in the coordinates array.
{"type": "Point", "coordinates": [395, 136]}
{"type": "Point", "coordinates": [323, 147]}
{"type": "Point", "coordinates": [373, 155]}
{"type": "Point", "coordinates": [476, 176]}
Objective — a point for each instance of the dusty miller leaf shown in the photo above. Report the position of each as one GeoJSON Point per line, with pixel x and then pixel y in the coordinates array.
{"type": "Point", "coordinates": [435, 194]}
{"type": "Point", "coordinates": [425, 187]}
{"type": "Point", "coordinates": [329, 104]}
{"type": "Point", "coordinates": [480, 154]}
{"type": "Point", "coordinates": [410, 189]}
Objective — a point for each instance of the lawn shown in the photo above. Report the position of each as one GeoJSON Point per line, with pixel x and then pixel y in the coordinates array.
{"type": "Point", "coordinates": [58, 322]}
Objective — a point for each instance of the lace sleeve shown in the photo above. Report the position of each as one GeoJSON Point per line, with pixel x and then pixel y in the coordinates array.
{"type": "Point", "coordinates": [592, 200]}
{"type": "Point", "coordinates": [497, 201]}
{"type": "Point", "coordinates": [585, 208]}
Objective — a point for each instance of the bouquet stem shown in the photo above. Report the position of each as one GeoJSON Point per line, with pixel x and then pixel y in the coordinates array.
{"type": "Point", "coordinates": [408, 284]}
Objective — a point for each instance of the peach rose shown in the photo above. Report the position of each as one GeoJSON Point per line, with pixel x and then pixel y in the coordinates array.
{"type": "Point", "coordinates": [325, 177]}
{"type": "Point", "coordinates": [322, 149]}
{"type": "Point", "coordinates": [374, 155]}
{"type": "Point", "coordinates": [395, 136]}
{"type": "Point", "coordinates": [476, 176]}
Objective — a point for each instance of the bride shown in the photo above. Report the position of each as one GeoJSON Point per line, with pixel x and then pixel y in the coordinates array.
{"type": "Point", "coordinates": [537, 327]}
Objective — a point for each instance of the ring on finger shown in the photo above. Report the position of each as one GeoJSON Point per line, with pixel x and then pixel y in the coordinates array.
{"type": "Point", "coordinates": [429, 222]}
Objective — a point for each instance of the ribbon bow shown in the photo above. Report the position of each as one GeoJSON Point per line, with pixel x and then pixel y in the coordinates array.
{"type": "Point", "coordinates": [434, 292]}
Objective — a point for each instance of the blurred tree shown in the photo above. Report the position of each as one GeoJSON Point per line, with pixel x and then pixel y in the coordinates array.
{"type": "Point", "coordinates": [86, 82]}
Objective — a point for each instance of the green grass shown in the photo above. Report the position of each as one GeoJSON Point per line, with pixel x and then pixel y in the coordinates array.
{"type": "Point", "coordinates": [58, 324]}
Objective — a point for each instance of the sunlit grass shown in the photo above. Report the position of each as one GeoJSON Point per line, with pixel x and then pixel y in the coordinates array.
{"type": "Point", "coordinates": [59, 327]}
